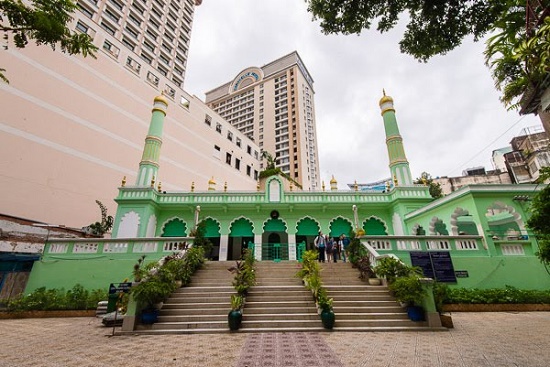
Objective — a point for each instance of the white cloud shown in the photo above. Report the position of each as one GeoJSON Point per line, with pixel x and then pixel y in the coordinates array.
{"type": "Point", "coordinates": [447, 109]}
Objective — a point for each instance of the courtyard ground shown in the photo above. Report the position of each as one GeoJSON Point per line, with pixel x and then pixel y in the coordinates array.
{"type": "Point", "coordinates": [479, 339]}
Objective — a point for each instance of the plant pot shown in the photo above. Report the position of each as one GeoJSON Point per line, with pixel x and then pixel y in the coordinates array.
{"type": "Point", "coordinates": [328, 318]}
{"type": "Point", "coordinates": [149, 316]}
{"type": "Point", "coordinates": [375, 281]}
{"type": "Point", "coordinates": [234, 319]}
{"type": "Point", "coordinates": [415, 313]}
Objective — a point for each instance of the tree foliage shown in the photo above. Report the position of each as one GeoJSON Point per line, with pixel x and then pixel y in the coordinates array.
{"type": "Point", "coordinates": [539, 221]}
{"type": "Point", "coordinates": [44, 21]}
{"type": "Point", "coordinates": [434, 27]}
{"type": "Point", "coordinates": [434, 187]}
{"type": "Point", "coordinates": [518, 63]}
{"type": "Point", "coordinates": [100, 228]}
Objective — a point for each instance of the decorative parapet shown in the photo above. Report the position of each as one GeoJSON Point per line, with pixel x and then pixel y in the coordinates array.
{"type": "Point", "coordinates": [217, 197]}
{"type": "Point", "coordinates": [120, 247]}
{"type": "Point", "coordinates": [460, 244]}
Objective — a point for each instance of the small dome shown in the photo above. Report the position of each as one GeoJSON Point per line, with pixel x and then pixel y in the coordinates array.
{"type": "Point", "coordinates": [385, 99]}
{"type": "Point", "coordinates": [333, 181]}
{"type": "Point", "coordinates": [162, 99]}
{"type": "Point", "coordinates": [211, 181]}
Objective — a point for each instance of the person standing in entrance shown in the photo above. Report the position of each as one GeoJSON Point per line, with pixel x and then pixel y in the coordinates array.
{"type": "Point", "coordinates": [329, 245]}
{"type": "Point", "coordinates": [320, 246]}
{"type": "Point", "coordinates": [344, 243]}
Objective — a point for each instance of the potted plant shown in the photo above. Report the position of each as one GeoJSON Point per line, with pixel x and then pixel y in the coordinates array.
{"type": "Point", "coordinates": [367, 272]}
{"type": "Point", "coordinates": [409, 290]}
{"type": "Point", "coordinates": [391, 268]}
{"type": "Point", "coordinates": [235, 316]}
{"type": "Point", "coordinates": [149, 294]}
{"type": "Point", "coordinates": [325, 305]}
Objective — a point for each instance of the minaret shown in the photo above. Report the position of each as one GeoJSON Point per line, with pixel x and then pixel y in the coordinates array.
{"type": "Point", "coordinates": [149, 165]}
{"type": "Point", "coordinates": [399, 166]}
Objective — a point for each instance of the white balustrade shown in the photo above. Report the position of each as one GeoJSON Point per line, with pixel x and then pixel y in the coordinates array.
{"type": "Point", "coordinates": [117, 247]}
{"type": "Point", "coordinates": [85, 248]}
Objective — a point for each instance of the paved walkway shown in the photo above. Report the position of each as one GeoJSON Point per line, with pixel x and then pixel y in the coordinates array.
{"type": "Point", "coordinates": [478, 340]}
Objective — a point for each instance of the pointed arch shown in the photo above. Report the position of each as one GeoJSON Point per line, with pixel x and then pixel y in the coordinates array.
{"type": "Point", "coordinates": [274, 225]}
{"type": "Point", "coordinates": [308, 226]}
{"type": "Point", "coordinates": [462, 222]}
{"type": "Point", "coordinates": [374, 226]}
{"type": "Point", "coordinates": [438, 227]}
{"type": "Point", "coordinates": [212, 227]}
{"type": "Point", "coordinates": [241, 227]}
{"type": "Point", "coordinates": [504, 220]}
{"type": "Point", "coordinates": [129, 225]}
{"type": "Point", "coordinates": [174, 227]}
{"type": "Point", "coordinates": [340, 225]}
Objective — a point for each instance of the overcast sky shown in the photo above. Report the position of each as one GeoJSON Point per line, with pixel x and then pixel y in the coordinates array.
{"type": "Point", "coordinates": [448, 111]}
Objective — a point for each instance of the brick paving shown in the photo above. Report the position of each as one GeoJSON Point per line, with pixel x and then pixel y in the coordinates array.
{"type": "Point", "coordinates": [478, 340]}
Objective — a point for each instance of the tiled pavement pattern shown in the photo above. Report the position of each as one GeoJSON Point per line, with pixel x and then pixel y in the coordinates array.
{"type": "Point", "coordinates": [478, 340]}
{"type": "Point", "coordinates": [287, 350]}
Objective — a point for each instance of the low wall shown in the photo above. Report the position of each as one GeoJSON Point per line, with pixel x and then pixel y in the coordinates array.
{"type": "Point", "coordinates": [44, 314]}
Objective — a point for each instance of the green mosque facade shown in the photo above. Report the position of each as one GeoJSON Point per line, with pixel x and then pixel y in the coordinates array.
{"type": "Point", "coordinates": [480, 229]}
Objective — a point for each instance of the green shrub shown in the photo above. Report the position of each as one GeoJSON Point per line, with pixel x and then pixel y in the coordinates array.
{"type": "Point", "coordinates": [43, 299]}
{"type": "Point", "coordinates": [508, 295]}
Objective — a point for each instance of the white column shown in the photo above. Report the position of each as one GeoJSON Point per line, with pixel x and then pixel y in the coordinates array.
{"type": "Point", "coordinates": [397, 225]}
{"type": "Point", "coordinates": [292, 247]}
{"type": "Point", "coordinates": [258, 247]}
{"type": "Point", "coordinates": [224, 244]}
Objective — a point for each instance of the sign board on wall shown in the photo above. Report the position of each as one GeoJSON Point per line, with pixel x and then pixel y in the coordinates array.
{"type": "Point", "coordinates": [437, 265]}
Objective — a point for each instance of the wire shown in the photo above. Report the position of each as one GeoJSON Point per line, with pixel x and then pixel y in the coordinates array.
{"type": "Point", "coordinates": [488, 145]}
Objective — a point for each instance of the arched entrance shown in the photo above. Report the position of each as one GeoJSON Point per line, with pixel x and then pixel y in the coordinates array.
{"type": "Point", "coordinates": [340, 226]}
{"type": "Point", "coordinates": [241, 233]}
{"type": "Point", "coordinates": [374, 227]}
{"type": "Point", "coordinates": [306, 231]}
{"type": "Point", "coordinates": [212, 234]}
{"type": "Point", "coordinates": [174, 228]}
{"type": "Point", "coordinates": [274, 240]}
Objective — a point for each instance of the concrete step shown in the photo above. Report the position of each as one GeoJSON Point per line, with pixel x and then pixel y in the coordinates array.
{"type": "Point", "coordinates": [372, 322]}
{"type": "Point", "coordinates": [186, 306]}
{"type": "Point", "coordinates": [194, 311]}
{"type": "Point", "coordinates": [191, 325]}
{"type": "Point", "coordinates": [193, 318]}
{"type": "Point", "coordinates": [302, 309]}
{"type": "Point", "coordinates": [270, 324]}
{"type": "Point", "coordinates": [339, 303]}
{"type": "Point", "coordinates": [372, 315]}
{"type": "Point", "coordinates": [279, 316]}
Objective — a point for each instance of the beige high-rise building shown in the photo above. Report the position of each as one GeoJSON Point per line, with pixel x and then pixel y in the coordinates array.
{"type": "Point", "coordinates": [73, 127]}
{"type": "Point", "coordinates": [274, 106]}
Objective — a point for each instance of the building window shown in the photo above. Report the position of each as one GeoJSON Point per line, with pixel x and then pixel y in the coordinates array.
{"type": "Point", "coordinates": [255, 175]}
{"type": "Point", "coordinates": [133, 64]}
{"type": "Point", "coordinates": [229, 136]}
{"type": "Point", "coordinates": [228, 158]}
{"type": "Point", "coordinates": [238, 142]}
{"type": "Point", "coordinates": [249, 149]}
{"type": "Point", "coordinates": [110, 48]}
{"type": "Point", "coordinates": [218, 127]}
{"type": "Point", "coordinates": [248, 170]}
{"type": "Point", "coordinates": [217, 152]}
{"type": "Point", "coordinates": [208, 120]}
{"type": "Point", "coordinates": [238, 164]}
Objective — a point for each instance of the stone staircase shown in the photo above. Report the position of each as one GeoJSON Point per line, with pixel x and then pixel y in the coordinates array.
{"type": "Point", "coordinates": [279, 301]}
{"type": "Point", "coordinates": [201, 307]}
{"type": "Point", "coordinates": [359, 306]}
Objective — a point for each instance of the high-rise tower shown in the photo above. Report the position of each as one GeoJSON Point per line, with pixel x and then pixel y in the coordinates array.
{"type": "Point", "coordinates": [274, 106]}
{"type": "Point", "coordinates": [73, 127]}
{"type": "Point", "coordinates": [399, 166]}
